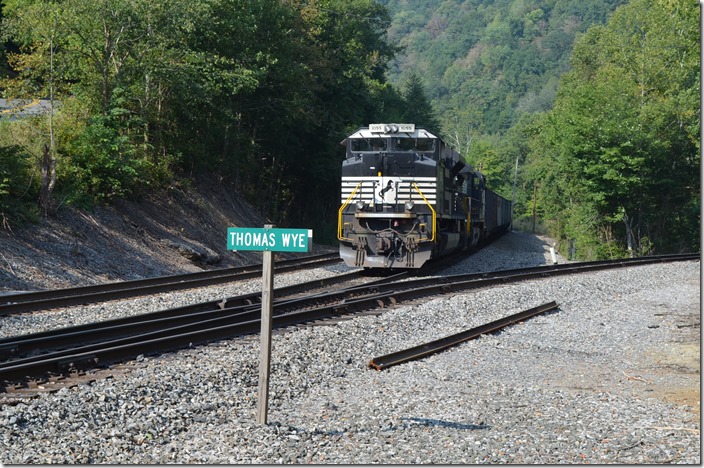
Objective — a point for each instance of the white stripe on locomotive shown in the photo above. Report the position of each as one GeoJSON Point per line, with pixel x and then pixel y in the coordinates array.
{"type": "Point", "coordinates": [372, 186]}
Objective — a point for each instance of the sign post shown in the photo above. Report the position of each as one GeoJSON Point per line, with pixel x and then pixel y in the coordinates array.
{"type": "Point", "coordinates": [265, 346]}
{"type": "Point", "coordinates": [267, 240]}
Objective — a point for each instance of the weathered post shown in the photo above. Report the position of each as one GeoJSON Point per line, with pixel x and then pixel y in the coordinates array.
{"type": "Point", "coordinates": [267, 240]}
{"type": "Point", "coordinates": [265, 347]}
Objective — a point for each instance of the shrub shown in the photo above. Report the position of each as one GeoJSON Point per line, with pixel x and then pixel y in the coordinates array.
{"type": "Point", "coordinates": [18, 188]}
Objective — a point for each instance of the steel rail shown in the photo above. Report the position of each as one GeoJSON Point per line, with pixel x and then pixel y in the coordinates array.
{"type": "Point", "coordinates": [120, 349]}
{"type": "Point", "coordinates": [415, 289]}
{"type": "Point", "coordinates": [194, 315]}
{"type": "Point", "coordinates": [501, 276]}
{"type": "Point", "coordinates": [50, 299]}
{"type": "Point", "coordinates": [424, 350]}
{"type": "Point", "coordinates": [397, 291]}
{"type": "Point", "coordinates": [354, 299]}
{"type": "Point", "coordinates": [402, 290]}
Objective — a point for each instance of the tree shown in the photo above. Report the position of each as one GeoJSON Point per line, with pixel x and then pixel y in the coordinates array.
{"type": "Point", "coordinates": [620, 146]}
{"type": "Point", "coordinates": [261, 91]}
{"type": "Point", "coordinates": [496, 58]}
{"type": "Point", "coordinates": [419, 110]}
{"type": "Point", "coordinates": [132, 77]}
{"type": "Point", "coordinates": [41, 75]}
{"type": "Point", "coordinates": [345, 54]}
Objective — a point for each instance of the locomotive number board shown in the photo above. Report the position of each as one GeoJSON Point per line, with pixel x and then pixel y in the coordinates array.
{"type": "Point", "coordinates": [392, 128]}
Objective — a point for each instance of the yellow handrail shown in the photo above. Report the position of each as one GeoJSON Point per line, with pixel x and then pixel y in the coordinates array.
{"type": "Point", "coordinates": [432, 239]}
{"type": "Point", "coordinates": [339, 213]}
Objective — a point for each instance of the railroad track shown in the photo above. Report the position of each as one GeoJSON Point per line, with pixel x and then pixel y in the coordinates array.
{"type": "Point", "coordinates": [72, 349]}
{"type": "Point", "coordinates": [52, 299]}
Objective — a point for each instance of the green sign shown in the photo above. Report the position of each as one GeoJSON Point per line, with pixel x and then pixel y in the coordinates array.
{"type": "Point", "coordinates": [274, 240]}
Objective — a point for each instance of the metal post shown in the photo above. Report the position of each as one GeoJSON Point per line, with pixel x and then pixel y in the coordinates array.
{"type": "Point", "coordinates": [535, 191]}
{"type": "Point", "coordinates": [513, 197]}
{"type": "Point", "coordinates": [267, 314]}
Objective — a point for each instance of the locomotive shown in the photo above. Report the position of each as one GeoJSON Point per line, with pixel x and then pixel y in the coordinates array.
{"type": "Point", "coordinates": [407, 197]}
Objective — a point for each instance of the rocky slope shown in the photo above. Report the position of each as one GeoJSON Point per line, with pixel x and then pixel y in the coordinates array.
{"type": "Point", "coordinates": [181, 230]}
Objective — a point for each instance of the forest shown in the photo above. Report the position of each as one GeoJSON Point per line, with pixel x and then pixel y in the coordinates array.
{"type": "Point", "coordinates": [586, 112]}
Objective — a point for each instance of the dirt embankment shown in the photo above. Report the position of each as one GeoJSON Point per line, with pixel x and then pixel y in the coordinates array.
{"type": "Point", "coordinates": [181, 230]}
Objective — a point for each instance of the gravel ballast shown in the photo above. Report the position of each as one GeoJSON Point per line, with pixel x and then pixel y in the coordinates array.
{"type": "Point", "coordinates": [611, 376]}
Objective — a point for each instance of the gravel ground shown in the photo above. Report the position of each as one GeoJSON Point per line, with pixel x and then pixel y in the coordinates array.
{"type": "Point", "coordinates": [612, 376]}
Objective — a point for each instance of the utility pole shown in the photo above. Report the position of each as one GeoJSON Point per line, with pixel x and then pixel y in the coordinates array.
{"type": "Point", "coordinates": [513, 197]}
{"type": "Point", "coordinates": [535, 192]}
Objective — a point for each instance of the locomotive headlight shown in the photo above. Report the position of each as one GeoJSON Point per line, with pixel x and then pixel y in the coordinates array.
{"type": "Point", "coordinates": [361, 205]}
{"type": "Point", "coordinates": [409, 205]}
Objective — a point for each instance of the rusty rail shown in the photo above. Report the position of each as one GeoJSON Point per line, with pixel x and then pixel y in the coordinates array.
{"type": "Point", "coordinates": [420, 351]}
{"type": "Point", "coordinates": [51, 299]}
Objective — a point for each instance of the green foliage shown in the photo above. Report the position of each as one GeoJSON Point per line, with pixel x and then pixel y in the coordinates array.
{"type": "Point", "coordinates": [4, 68]}
{"type": "Point", "coordinates": [484, 64]}
{"type": "Point", "coordinates": [617, 158]}
{"type": "Point", "coordinates": [418, 108]}
{"type": "Point", "coordinates": [103, 164]}
{"type": "Point", "coordinates": [261, 91]}
{"type": "Point", "coordinates": [18, 190]}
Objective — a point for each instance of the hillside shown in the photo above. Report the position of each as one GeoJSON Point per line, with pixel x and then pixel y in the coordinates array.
{"type": "Point", "coordinates": [183, 230]}
{"type": "Point", "coordinates": [484, 63]}
{"type": "Point", "coordinates": [269, 88]}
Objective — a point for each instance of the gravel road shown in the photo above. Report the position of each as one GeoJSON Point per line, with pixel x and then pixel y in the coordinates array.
{"type": "Point", "coordinates": [612, 376]}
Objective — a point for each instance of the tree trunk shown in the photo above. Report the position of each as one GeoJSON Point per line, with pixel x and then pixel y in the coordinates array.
{"type": "Point", "coordinates": [630, 239]}
{"type": "Point", "coordinates": [48, 170]}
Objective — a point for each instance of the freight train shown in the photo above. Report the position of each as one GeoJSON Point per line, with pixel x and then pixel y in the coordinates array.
{"type": "Point", "coordinates": [407, 197]}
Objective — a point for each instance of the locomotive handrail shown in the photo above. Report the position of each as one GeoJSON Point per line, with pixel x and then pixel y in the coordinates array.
{"type": "Point", "coordinates": [432, 239]}
{"type": "Point", "coordinates": [339, 214]}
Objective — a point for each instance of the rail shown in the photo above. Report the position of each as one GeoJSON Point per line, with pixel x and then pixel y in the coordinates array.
{"type": "Point", "coordinates": [423, 350]}
{"type": "Point", "coordinates": [228, 319]}
{"type": "Point", "coordinates": [44, 300]}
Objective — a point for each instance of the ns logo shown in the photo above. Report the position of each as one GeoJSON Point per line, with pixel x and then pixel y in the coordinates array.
{"type": "Point", "coordinates": [382, 193]}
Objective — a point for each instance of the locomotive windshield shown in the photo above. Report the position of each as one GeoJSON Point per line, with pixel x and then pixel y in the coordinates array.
{"type": "Point", "coordinates": [414, 144]}
{"type": "Point", "coordinates": [368, 144]}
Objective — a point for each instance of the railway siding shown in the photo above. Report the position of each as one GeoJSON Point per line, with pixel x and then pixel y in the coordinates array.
{"type": "Point", "coordinates": [599, 381]}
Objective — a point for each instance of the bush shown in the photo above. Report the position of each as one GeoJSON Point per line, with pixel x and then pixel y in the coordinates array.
{"type": "Point", "coordinates": [105, 165]}
{"type": "Point", "coordinates": [18, 189]}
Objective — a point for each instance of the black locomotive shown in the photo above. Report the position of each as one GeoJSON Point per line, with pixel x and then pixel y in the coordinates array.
{"type": "Point", "coordinates": [407, 197]}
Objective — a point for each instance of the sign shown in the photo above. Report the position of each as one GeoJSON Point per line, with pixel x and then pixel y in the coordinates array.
{"type": "Point", "coordinates": [269, 239]}
{"type": "Point", "coordinates": [392, 128]}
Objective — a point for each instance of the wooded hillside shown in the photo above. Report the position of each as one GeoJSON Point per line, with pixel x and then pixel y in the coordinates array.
{"type": "Point", "coordinates": [259, 91]}
{"type": "Point", "coordinates": [484, 63]}
{"type": "Point", "coordinates": [617, 159]}
{"type": "Point", "coordinates": [596, 102]}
